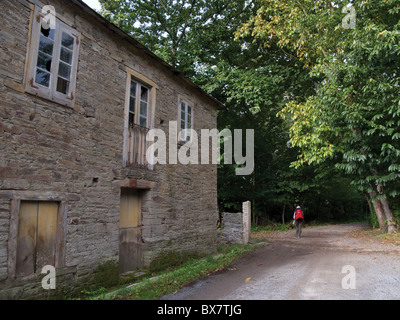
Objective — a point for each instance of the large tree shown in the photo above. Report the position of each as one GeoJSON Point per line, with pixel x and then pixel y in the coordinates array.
{"type": "Point", "coordinates": [185, 33]}
{"type": "Point", "coordinates": [353, 55]}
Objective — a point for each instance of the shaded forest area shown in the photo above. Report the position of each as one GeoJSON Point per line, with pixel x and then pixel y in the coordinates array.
{"type": "Point", "coordinates": [318, 81]}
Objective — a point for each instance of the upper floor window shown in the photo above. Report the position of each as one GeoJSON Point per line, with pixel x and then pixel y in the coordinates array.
{"type": "Point", "coordinates": [185, 120]}
{"type": "Point", "coordinates": [139, 117]}
{"type": "Point", "coordinates": [52, 59]}
{"type": "Point", "coordinates": [139, 104]}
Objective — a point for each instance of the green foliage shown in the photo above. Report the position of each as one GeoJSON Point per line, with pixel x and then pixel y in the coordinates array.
{"type": "Point", "coordinates": [106, 275]}
{"type": "Point", "coordinates": [171, 259]}
{"type": "Point", "coordinates": [189, 34]}
{"type": "Point", "coordinates": [352, 117]}
{"type": "Point", "coordinates": [94, 293]}
{"type": "Point", "coordinates": [273, 227]}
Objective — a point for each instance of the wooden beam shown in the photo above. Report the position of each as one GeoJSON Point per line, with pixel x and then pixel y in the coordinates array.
{"type": "Point", "coordinates": [135, 183]}
{"type": "Point", "coordinates": [39, 196]}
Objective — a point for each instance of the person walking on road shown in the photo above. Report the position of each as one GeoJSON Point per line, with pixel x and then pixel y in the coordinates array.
{"type": "Point", "coordinates": [298, 217]}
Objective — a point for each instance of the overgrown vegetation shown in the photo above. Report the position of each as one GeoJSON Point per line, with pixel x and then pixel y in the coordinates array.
{"type": "Point", "coordinates": [171, 259]}
{"type": "Point", "coordinates": [375, 234]}
{"type": "Point", "coordinates": [179, 276]}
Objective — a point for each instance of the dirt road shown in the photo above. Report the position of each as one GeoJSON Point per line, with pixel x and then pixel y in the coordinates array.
{"type": "Point", "coordinates": [307, 268]}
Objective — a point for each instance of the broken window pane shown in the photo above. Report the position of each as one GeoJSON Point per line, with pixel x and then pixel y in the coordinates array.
{"type": "Point", "coordinates": [47, 32]}
{"type": "Point", "coordinates": [46, 45]}
{"type": "Point", "coordinates": [67, 41]}
{"type": "Point", "coordinates": [42, 78]}
{"type": "Point", "coordinates": [44, 61]}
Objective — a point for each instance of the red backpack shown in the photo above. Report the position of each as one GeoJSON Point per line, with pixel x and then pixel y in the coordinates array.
{"type": "Point", "coordinates": [299, 215]}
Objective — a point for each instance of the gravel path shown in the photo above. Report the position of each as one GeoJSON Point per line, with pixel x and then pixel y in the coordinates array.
{"type": "Point", "coordinates": [328, 262]}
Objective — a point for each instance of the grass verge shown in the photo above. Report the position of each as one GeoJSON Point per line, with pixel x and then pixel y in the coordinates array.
{"type": "Point", "coordinates": [190, 271]}
{"type": "Point", "coordinates": [377, 235]}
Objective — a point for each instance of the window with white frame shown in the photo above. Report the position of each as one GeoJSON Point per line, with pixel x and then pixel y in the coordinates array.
{"type": "Point", "coordinates": [185, 120]}
{"type": "Point", "coordinates": [52, 59]}
{"type": "Point", "coordinates": [139, 118]}
{"type": "Point", "coordinates": [139, 104]}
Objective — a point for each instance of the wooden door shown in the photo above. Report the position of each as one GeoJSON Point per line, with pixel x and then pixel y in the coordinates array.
{"type": "Point", "coordinates": [37, 236]}
{"type": "Point", "coordinates": [26, 239]}
{"type": "Point", "coordinates": [130, 239]}
{"type": "Point", "coordinates": [47, 234]}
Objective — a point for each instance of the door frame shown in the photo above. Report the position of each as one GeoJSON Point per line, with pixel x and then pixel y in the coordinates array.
{"type": "Point", "coordinates": [15, 201]}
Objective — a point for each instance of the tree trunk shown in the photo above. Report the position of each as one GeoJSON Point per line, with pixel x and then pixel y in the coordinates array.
{"type": "Point", "coordinates": [389, 216]}
{"type": "Point", "coordinates": [283, 214]}
{"type": "Point", "coordinates": [371, 209]}
{"type": "Point", "coordinates": [378, 210]}
{"type": "Point", "coordinates": [386, 209]}
{"type": "Point", "coordinates": [253, 211]}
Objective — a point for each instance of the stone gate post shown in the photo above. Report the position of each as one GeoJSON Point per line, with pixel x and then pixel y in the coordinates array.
{"type": "Point", "coordinates": [246, 209]}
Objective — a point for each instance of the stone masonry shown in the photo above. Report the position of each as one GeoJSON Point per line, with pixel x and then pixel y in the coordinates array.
{"type": "Point", "coordinates": [74, 155]}
{"type": "Point", "coordinates": [235, 226]}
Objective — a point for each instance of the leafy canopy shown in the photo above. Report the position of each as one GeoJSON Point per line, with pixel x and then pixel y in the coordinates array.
{"type": "Point", "coordinates": [353, 116]}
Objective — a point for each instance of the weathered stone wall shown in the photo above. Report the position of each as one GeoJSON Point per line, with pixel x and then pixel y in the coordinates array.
{"type": "Point", "coordinates": [231, 231]}
{"type": "Point", "coordinates": [235, 226]}
{"type": "Point", "coordinates": [47, 147]}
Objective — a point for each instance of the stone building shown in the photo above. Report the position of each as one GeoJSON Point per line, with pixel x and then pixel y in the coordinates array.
{"type": "Point", "coordinates": [77, 98]}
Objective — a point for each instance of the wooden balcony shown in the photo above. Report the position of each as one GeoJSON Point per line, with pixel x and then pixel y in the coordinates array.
{"type": "Point", "coordinates": [137, 146]}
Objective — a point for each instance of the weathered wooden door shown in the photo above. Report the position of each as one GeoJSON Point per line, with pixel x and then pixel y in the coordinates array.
{"type": "Point", "coordinates": [130, 222]}
{"type": "Point", "coordinates": [37, 236]}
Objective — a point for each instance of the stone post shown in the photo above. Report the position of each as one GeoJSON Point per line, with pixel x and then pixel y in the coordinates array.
{"type": "Point", "coordinates": [246, 209]}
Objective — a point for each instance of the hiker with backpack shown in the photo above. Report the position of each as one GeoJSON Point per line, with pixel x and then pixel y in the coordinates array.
{"type": "Point", "coordinates": [298, 217]}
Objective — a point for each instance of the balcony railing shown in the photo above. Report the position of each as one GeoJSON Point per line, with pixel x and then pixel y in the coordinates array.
{"type": "Point", "coordinates": [137, 146]}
